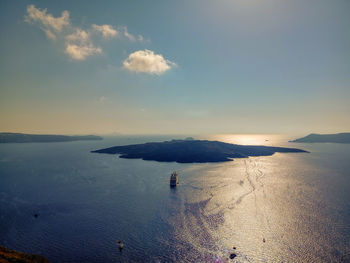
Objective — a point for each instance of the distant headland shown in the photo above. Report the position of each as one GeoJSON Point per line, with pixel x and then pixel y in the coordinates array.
{"type": "Point", "coordinates": [332, 138]}
{"type": "Point", "coordinates": [192, 151]}
{"type": "Point", "coordinates": [8, 137]}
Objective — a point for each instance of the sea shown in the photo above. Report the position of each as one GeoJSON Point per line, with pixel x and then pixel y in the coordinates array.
{"type": "Point", "coordinates": [288, 207]}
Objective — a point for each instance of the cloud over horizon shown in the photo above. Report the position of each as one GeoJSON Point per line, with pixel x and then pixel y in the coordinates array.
{"type": "Point", "coordinates": [79, 43]}
{"type": "Point", "coordinates": [146, 61]}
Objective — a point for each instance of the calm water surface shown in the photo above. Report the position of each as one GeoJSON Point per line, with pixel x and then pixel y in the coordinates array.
{"type": "Point", "coordinates": [298, 203]}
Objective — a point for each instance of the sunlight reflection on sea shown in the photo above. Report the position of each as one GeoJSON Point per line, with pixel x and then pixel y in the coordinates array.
{"type": "Point", "coordinates": [288, 207]}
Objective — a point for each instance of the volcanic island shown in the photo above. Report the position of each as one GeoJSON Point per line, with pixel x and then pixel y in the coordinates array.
{"type": "Point", "coordinates": [193, 151]}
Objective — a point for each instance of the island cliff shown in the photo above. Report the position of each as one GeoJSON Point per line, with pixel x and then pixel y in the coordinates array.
{"type": "Point", "coordinates": [331, 138]}
{"type": "Point", "coordinates": [192, 151]}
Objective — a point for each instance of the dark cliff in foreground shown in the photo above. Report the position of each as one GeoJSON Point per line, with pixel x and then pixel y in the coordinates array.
{"type": "Point", "coordinates": [8, 137]}
{"type": "Point", "coordinates": [335, 138]}
{"type": "Point", "coordinates": [7, 256]}
{"type": "Point", "coordinates": [192, 151]}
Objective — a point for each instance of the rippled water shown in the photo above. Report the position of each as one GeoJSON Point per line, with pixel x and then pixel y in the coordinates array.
{"type": "Point", "coordinates": [298, 203]}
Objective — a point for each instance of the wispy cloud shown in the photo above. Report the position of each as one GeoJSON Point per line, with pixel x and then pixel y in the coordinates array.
{"type": "Point", "coordinates": [49, 34]}
{"type": "Point", "coordinates": [147, 61]}
{"type": "Point", "coordinates": [107, 31]}
{"type": "Point", "coordinates": [131, 37]}
{"type": "Point", "coordinates": [79, 35]}
{"type": "Point", "coordinates": [81, 52]}
{"type": "Point", "coordinates": [79, 43]}
{"type": "Point", "coordinates": [47, 22]}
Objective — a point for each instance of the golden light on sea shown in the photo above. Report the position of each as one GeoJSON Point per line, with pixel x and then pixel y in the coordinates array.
{"type": "Point", "coordinates": [249, 139]}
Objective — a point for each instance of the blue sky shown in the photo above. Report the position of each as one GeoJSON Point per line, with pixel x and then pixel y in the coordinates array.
{"type": "Point", "coordinates": [175, 66]}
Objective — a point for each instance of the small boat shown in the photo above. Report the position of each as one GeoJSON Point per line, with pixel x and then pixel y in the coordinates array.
{"type": "Point", "coordinates": [121, 245]}
{"type": "Point", "coordinates": [173, 179]}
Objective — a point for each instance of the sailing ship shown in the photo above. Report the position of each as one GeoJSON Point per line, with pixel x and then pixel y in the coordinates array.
{"type": "Point", "coordinates": [174, 179]}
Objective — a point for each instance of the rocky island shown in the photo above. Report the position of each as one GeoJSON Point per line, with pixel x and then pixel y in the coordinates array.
{"type": "Point", "coordinates": [330, 138]}
{"type": "Point", "coordinates": [193, 151]}
{"type": "Point", "coordinates": [9, 137]}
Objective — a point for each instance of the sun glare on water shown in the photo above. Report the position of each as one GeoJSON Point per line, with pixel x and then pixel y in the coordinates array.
{"type": "Point", "coordinates": [247, 139]}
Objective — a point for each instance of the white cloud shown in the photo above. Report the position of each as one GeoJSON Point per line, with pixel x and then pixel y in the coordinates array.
{"type": "Point", "coordinates": [49, 34]}
{"type": "Point", "coordinates": [147, 61]}
{"type": "Point", "coordinates": [79, 43]}
{"type": "Point", "coordinates": [131, 37]}
{"type": "Point", "coordinates": [79, 36]}
{"type": "Point", "coordinates": [107, 31]}
{"type": "Point", "coordinates": [81, 52]}
{"type": "Point", "coordinates": [128, 35]}
{"type": "Point", "coordinates": [47, 20]}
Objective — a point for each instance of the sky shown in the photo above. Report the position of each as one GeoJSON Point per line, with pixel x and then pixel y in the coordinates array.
{"type": "Point", "coordinates": [175, 67]}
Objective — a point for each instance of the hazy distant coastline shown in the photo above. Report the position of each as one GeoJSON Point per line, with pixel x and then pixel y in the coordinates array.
{"type": "Point", "coordinates": [9, 137]}
{"type": "Point", "coordinates": [324, 138]}
{"type": "Point", "coordinates": [192, 151]}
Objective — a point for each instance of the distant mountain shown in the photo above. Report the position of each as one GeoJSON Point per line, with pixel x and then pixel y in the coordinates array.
{"type": "Point", "coordinates": [335, 138]}
{"type": "Point", "coordinates": [8, 137]}
{"type": "Point", "coordinates": [192, 151]}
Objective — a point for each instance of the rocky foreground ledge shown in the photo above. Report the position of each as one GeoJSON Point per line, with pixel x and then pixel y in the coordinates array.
{"type": "Point", "coordinates": [193, 151]}
{"type": "Point", "coordinates": [12, 256]}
